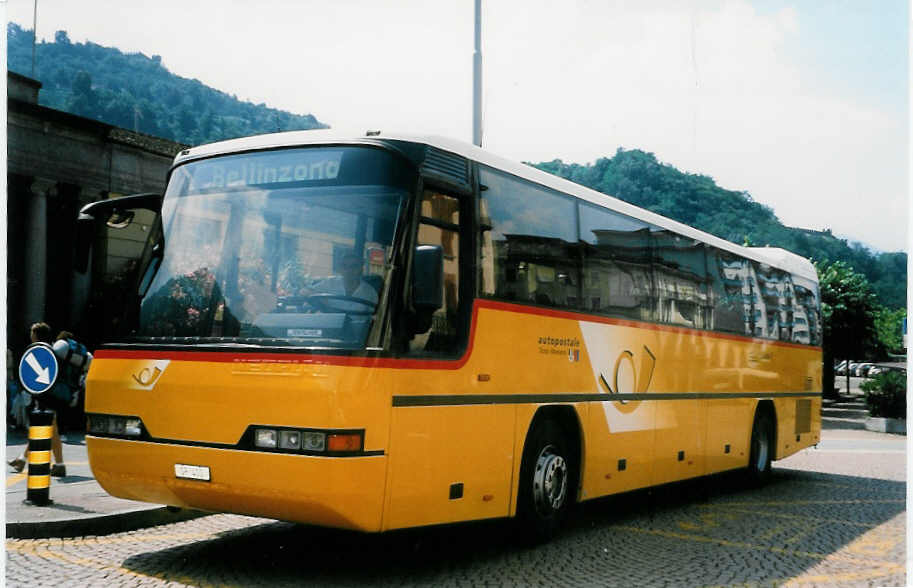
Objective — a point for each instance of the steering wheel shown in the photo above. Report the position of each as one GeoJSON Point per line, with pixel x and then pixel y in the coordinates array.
{"type": "Point", "coordinates": [323, 303]}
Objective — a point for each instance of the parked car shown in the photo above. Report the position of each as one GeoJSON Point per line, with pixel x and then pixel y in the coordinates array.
{"type": "Point", "coordinates": [863, 369]}
{"type": "Point", "coordinates": [901, 369]}
{"type": "Point", "coordinates": [874, 371]}
{"type": "Point", "coordinates": [840, 368]}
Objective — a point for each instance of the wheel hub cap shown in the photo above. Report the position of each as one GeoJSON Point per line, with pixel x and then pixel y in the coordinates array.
{"type": "Point", "coordinates": [550, 481]}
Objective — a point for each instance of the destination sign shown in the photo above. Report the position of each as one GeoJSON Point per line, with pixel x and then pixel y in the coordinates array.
{"type": "Point", "coordinates": [258, 169]}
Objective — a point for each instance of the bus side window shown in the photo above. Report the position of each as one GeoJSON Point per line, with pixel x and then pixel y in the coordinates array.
{"type": "Point", "coordinates": [680, 280]}
{"type": "Point", "coordinates": [529, 251]}
{"type": "Point", "coordinates": [729, 290]}
{"type": "Point", "coordinates": [440, 225]}
{"type": "Point", "coordinates": [616, 267]}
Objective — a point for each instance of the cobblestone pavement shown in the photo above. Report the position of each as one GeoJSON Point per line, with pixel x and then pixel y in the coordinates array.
{"type": "Point", "coordinates": [822, 521]}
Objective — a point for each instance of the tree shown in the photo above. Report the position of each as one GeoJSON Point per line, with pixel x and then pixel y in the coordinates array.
{"type": "Point", "coordinates": [886, 395]}
{"type": "Point", "coordinates": [103, 83]}
{"type": "Point", "coordinates": [83, 101]}
{"type": "Point", "coordinates": [82, 83]}
{"type": "Point", "coordinates": [888, 325]}
{"type": "Point", "coordinates": [848, 311]}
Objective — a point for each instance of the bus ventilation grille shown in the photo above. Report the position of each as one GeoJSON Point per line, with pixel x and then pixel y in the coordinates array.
{"type": "Point", "coordinates": [447, 167]}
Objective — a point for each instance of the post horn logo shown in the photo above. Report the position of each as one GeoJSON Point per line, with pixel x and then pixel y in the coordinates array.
{"type": "Point", "coordinates": [149, 375]}
{"type": "Point", "coordinates": [641, 379]}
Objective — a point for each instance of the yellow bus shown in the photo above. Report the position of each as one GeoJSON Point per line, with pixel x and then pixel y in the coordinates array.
{"type": "Point", "coordinates": [393, 331]}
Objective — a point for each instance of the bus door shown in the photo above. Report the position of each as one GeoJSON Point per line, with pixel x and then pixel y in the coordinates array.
{"type": "Point", "coordinates": [118, 250]}
{"type": "Point", "coordinates": [451, 459]}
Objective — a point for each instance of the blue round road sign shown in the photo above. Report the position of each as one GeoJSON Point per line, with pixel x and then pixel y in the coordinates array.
{"type": "Point", "coordinates": [38, 368]}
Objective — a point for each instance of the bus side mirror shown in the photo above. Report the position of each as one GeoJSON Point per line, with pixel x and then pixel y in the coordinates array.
{"type": "Point", "coordinates": [85, 231]}
{"type": "Point", "coordinates": [427, 284]}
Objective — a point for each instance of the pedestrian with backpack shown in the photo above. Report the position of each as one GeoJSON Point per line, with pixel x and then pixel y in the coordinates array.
{"type": "Point", "coordinates": [74, 362]}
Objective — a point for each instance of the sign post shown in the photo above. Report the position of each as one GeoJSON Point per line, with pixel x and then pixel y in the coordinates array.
{"type": "Point", "coordinates": [38, 370]}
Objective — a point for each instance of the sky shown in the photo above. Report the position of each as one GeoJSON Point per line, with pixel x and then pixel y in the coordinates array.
{"type": "Point", "coordinates": [801, 103]}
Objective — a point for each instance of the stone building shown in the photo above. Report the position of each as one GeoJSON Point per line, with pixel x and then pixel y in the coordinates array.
{"type": "Point", "coordinates": [56, 163]}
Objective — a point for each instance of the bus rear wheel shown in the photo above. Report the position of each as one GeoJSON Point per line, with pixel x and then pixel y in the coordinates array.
{"type": "Point", "coordinates": [546, 482]}
{"type": "Point", "coordinates": [762, 448]}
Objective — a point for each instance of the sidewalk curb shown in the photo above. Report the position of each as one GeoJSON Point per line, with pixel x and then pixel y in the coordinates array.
{"type": "Point", "coordinates": [101, 525]}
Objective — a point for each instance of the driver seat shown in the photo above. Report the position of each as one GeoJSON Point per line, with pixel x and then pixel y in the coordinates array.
{"type": "Point", "coordinates": [375, 281]}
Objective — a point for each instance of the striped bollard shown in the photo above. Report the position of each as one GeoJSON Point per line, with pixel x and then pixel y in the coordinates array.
{"type": "Point", "coordinates": [39, 480]}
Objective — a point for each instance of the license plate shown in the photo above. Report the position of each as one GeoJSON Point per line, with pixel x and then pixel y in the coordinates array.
{"type": "Point", "coordinates": [304, 333]}
{"type": "Point", "coordinates": [191, 472]}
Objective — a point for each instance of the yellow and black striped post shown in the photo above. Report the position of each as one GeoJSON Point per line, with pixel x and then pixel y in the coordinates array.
{"type": "Point", "coordinates": [39, 482]}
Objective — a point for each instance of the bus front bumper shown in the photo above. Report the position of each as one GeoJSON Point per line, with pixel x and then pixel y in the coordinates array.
{"type": "Point", "coordinates": [343, 492]}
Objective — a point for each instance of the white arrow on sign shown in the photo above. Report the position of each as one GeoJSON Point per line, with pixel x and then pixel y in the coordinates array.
{"type": "Point", "coordinates": [44, 374]}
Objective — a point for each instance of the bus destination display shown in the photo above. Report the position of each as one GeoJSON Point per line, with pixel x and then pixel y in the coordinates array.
{"type": "Point", "coordinates": [277, 167]}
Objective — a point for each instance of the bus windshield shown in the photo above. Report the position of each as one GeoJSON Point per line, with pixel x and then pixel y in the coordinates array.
{"type": "Point", "coordinates": [279, 248]}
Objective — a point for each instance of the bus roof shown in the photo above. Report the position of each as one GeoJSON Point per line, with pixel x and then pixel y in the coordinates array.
{"type": "Point", "coordinates": [772, 256]}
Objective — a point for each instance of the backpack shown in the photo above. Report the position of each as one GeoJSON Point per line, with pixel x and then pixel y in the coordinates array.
{"type": "Point", "coordinates": [74, 364]}
{"type": "Point", "coordinates": [73, 354]}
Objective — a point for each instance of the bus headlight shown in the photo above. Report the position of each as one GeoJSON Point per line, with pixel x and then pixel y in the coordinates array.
{"type": "Point", "coordinates": [133, 427]}
{"type": "Point", "coordinates": [314, 441]}
{"type": "Point", "coordinates": [267, 438]}
{"type": "Point", "coordinates": [105, 424]}
{"type": "Point", "coordinates": [117, 425]}
{"type": "Point", "coordinates": [280, 439]}
{"type": "Point", "coordinates": [98, 423]}
{"type": "Point", "coordinates": [289, 440]}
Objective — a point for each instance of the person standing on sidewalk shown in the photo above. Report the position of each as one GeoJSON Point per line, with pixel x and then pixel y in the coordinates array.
{"type": "Point", "coordinates": [18, 400]}
{"type": "Point", "coordinates": [74, 360]}
{"type": "Point", "coordinates": [41, 333]}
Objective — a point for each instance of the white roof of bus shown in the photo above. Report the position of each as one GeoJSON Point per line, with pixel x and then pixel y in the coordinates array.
{"type": "Point", "coordinates": [773, 256]}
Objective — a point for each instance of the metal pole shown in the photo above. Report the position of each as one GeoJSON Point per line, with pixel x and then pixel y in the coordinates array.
{"type": "Point", "coordinates": [477, 78]}
{"type": "Point", "coordinates": [848, 377]}
{"type": "Point", "coordinates": [34, 35]}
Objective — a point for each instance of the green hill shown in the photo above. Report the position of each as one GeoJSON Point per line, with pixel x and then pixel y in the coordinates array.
{"type": "Point", "coordinates": [637, 177]}
{"type": "Point", "coordinates": [133, 91]}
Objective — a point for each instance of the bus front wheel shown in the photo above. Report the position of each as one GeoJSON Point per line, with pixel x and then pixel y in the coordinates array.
{"type": "Point", "coordinates": [762, 448]}
{"type": "Point", "coordinates": [546, 482]}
